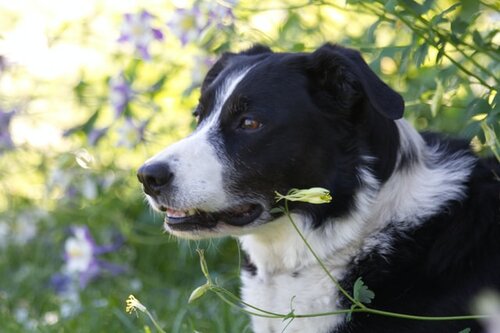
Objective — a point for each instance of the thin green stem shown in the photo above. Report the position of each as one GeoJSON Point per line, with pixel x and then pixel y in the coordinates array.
{"type": "Point", "coordinates": [155, 323]}
{"type": "Point", "coordinates": [223, 293]}
{"type": "Point", "coordinates": [218, 289]}
{"type": "Point", "coordinates": [422, 318]}
{"type": "Point", "coordinates": [320, 262]}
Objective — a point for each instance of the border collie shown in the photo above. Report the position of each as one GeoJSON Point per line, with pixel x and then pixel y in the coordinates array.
{"type": "Point", "coordinates": [417, 217]}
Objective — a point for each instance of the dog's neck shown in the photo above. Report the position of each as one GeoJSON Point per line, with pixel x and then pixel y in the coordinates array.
{"type": "Point", "coordinates": [277, 247]}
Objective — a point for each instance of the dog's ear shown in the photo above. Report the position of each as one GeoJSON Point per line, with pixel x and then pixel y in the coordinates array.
{"type": "Point", "coordinates": [216, 69]}
{"type": "Point", "coordinates": [226, 59]}
{"type": "Point", "coordinates": [256, 49]}
{"type": "Point", "coordinates": [344, 73]}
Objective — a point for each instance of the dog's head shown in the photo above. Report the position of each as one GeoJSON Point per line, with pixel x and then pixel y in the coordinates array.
{"type": "Point", "coordinates": [271, 122]}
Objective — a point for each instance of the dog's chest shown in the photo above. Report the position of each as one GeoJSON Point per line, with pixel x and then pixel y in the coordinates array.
{"type": "Point", "coordinates": [309, 291]}
{"type": "Point", "coordinates": [289, 279]}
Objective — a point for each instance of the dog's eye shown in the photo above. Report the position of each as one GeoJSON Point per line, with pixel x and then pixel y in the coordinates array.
{"type": "Point", "coordinates": [250, 124]}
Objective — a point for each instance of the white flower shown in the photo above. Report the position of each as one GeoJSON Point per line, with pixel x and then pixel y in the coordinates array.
{"type": "Point", "coordinates": [130, 133]}
{"type": "Point", "coordinates": [79, 252]}
{"type": "Point", "coordinates": [314, 195]}
{"type": "Point", "coordinates": [188, 24]}
{"type": "Point", "coordinates": [137, 30]}
{"type": "Point", "coordinates": [120, 93]}
{"type": "Point", "coordinates": [26, 226]}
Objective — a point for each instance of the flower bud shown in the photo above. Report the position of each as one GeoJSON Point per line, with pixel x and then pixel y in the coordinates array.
{"type": "Point", "coordinates": [314, 195]}
{"type": "Point", "coordinates": [198, 292]}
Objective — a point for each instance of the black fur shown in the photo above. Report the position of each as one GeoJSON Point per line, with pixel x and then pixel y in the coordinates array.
{"type": "Point", "coordinates": [439, 268]}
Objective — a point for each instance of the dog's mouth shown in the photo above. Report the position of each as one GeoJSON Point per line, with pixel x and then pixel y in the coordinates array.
{"type": "Point", "coordinates": [193, 219]}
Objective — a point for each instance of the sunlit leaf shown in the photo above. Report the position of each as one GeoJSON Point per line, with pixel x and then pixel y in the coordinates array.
{"type": "Point", "coordinates": [421, 54]}
{"type": "Point", "coordinates": [437, 99]}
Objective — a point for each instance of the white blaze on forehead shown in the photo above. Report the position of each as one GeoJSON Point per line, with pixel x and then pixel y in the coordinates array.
{"type": "Point", "coordinates": [223, 93]}
{"type": "Point", "coordinates": [198, 168]}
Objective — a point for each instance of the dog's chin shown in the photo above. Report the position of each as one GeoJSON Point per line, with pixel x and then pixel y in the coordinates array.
{"type": "Point", "coordinates": [197, 224]}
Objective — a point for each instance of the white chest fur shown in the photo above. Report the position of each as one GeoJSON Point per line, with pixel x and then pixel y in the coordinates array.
{"type": "Point", "coordinates": [289, 279]}
{"type": "Point", "coordinates": [308, 291]}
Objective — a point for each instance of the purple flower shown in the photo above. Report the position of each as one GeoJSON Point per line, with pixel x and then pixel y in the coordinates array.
{"type": "Point", "coordinates": [96, 134]}
{"type": "Point", "coordinates": [131, 133]}
{"type": "Point", "coordinates": [188, 24]}
{"type": "Point", "coordinates": [220, 15]}
{"type": "Point", "coordinates": [137, 30]}
{"type": "Point", "coordinates": [60, 282]}
{"type": "Point", "coordinates": [120, 93]}
{"type": "Point", "coordinates": [81, 257]}
{"type": "Point", "coordinates": [6, 142]}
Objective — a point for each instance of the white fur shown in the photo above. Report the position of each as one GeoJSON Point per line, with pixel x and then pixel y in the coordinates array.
{"type": "Point", "coordinates": [408, 197]}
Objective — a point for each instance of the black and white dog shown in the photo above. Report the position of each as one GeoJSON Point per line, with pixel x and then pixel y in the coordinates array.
{"type": "Point", "coordinates": [416, 216]}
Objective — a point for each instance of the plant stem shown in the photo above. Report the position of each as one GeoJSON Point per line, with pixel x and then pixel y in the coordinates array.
{"type": "Point", "coordinates": [320, 262]}
{"type": "Point", "coordinates": [157, 326]}
{"type": "Point", "coordinates": [422, 318]}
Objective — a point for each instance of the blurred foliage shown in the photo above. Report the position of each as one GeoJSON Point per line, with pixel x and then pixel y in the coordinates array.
{"type": "Point", "coordinates": [90, 89]}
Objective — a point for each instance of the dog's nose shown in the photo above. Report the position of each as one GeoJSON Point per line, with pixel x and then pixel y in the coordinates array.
{"type": "Point", "coordinates": [154, 177]}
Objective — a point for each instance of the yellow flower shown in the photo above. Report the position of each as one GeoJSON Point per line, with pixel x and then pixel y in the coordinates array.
{"type": "Point", "coordinates": [314, 195]}
{"type": "Point", "coordinates": [133, 304]}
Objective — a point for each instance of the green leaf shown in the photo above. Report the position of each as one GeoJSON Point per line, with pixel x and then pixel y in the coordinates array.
{"type": "Point", "coordinates": [390, 5]}
{"type": "Point", "coordinates": [413, 6]}
{"type": "Point", "coordinates": [349, 314]}
{"type": "Point", "coordinates": [370, 33]}
{"type": "Point", "coordinates": [421, 54]}
{"type": "Point", "coordinates": [437, 99]}
{"type": "Point", "coordinates": [467, 330]}
{"type": "Point", "coordinates": [361, 293]}
{"type": "Point", "coordinates": [86, 127]}
{"type": "Point", "coordinates": [158, 85]}
{"type": "Point", "coordinates": [441, 49]}
{"type": "Point", "coordinates": [441, 16]}
{"type": "Point", "coordinates": [478, 106]}
{"type": "Point", "coordinates": [476, 37]}
{"type": "Point", "coordinates": [458, 26]}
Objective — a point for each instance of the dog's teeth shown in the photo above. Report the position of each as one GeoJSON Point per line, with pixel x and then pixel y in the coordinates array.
{"type": "Point", "coordinates": [175, 213]}
{"type": "Point", "coordinates": [179, 213]}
